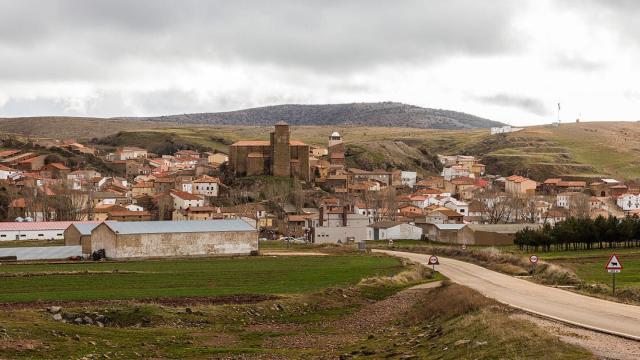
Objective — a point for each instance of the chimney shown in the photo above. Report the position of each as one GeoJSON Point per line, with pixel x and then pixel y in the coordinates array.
{"type": "Point", "coordinates": [321, 218]}
{"type": "Point", "coordinates": [344, 215]}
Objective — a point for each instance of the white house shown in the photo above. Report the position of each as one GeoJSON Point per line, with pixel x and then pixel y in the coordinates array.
{"type": "Point", "coordinates": [392, 230]}
{"type": "Point", "coordinates": [206, 186]}
{"type": "Point", "coordinates": [6, 172]}
{"type": "Point", "coordinates": [628, 202]}
{"type": "Point", "coordinates": [183, 200]}
{"type": "Point", "coordinates": [563, 200]}
{"type": "Point", "coordinates": [455, 171]}
{"type": "Point", "coordinates": [459, 206]}
{"type": "Point", "coordinates": [408, 178]}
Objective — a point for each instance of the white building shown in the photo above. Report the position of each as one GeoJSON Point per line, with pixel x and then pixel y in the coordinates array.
{"type": "Point", "coordinates": [6, 172]}
{"type": "Point", "coordinates": [408, 178]}
{"type": "Point", "coordinates": [459, 206]}
{"type": "Point", "coordinates": [628, 202]}
{"type": "Point", "coordinates": [455, 171]}
{"type": "Point", "coordinates": [504, 130]}
{"type": "Point", "coordinates": [183, 200]}
{"type": "Point", "coordinates": [391, 230]}
{"type": "Point", "coordinates": [563, 200]}
{"type": "Point", "coordinates": [333, 226]}
{"type": "Point", "coordinates": [45, 230]}
{"type": "Point", "coordinates": [206, 186]}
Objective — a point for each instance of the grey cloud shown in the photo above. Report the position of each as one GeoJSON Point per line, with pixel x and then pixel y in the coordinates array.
{"type": "Point", "coordinates": [577, 63]}
{"type": "Point", "coordinates": [319, 35]}
{"type": "Point", "coordinates": [527, 104]}
{"type": "Point", "coordinates": [620, 15]}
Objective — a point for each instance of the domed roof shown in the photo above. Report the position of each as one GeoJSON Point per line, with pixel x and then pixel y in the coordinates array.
{"type": "Point", "coordinates": [335, 134]}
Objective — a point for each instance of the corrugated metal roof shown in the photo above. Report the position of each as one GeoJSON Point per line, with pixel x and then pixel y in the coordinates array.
{"type": "Point", "coordinates": [194, 226]}
{"type": "Point", "coordinates": [450, 226]}
{"type": "Point", "coordinates": [86, 228]}
{"type": "Point", "coordinates": [43, 252]}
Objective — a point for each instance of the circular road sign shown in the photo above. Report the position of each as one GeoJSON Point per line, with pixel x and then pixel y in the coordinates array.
{"type": "Point", "coordinates": [533, 259]}
{"type": "Point", "coordinates": [433, 260]}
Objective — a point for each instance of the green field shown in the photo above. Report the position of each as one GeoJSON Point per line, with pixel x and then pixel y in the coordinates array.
{"type": "Point", "coordinates": [178, 278]}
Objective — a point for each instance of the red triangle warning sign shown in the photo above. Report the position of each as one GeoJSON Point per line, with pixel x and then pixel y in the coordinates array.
{"type": "Point", "coordinates": [614, 263]}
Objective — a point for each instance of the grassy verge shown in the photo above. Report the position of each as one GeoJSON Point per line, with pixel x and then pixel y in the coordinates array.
{"type": "Point", "coordinates": [186, 277]}
{"type": "Point", "coordinates": [455, 322]}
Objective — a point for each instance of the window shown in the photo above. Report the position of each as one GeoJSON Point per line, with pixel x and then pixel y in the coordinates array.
{"type": "Point", "coordinates": [59, 234]}
{"type": "Point", "coordinates": [3, 235]}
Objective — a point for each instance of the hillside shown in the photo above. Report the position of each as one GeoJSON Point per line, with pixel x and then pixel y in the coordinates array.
{"type": "Point", "coordinates": [576, 151]}
{"type": "Point", "coordinates": [63, 127]}
{"type": "Point", "coordinates": [386, 114]}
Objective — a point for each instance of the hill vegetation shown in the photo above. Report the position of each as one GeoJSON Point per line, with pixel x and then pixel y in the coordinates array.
{"type": "Point", "coordinates": [573, 151]}
{"type": "Point", "coordinates": [386, 114]}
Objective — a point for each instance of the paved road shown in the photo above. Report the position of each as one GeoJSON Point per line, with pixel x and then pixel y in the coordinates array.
{"type": "Point", "coordinates": [601, 315]}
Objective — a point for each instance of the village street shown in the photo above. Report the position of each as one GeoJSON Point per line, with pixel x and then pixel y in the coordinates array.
{"type": "Point", "coordinates": [585, 311]}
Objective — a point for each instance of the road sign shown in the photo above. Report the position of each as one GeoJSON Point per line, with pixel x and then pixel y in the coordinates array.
{"type": "Point", "coordinates": [613, 267]}
{"type": "Point", "coordinates": [614, 263]}
{"type": "Point", "coordinates": [433, 260]}
{"type": "Point", "coordinates": [464, 246]}
{"type": "Point", "coordinates": [533, 259]}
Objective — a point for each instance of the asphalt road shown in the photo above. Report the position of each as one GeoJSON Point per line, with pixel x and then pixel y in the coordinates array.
{"type": "Point", "coordinates": [585, 311]}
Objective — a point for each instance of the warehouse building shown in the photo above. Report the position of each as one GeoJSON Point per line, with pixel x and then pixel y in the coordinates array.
{"type": "Point", "coordinates": [174, 238]}
{"type": "Point", "coordinates": [80, 234]}
{"type": "Point", "coordinates": [39, 230]}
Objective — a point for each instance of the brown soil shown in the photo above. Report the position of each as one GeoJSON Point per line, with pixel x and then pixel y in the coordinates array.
{"type": "Point", "coordinates": [177, 301]}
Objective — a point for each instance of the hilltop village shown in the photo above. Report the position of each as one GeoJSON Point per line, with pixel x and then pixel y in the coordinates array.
{"type": "Point", "coordinates": [280, 188]}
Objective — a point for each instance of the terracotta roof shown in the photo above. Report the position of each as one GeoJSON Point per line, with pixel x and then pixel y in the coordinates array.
{"type": "Point", "coordinates": [129, 213]}
{"type": "Point", "coordinates": [296, 218]}
{"type": "Point", "coordinates": [185, 195]}
{"type": "Point", "coordinates": [251, 143]}
{"type": "Point", "coordinates": [553, 181]}
{"type": "Point", "coordinates": [6, 153]}
{"type": "Point", "coordinates": [572, 184]}
{"type": "Point", "coordinates": [448, 212]}
{"type": "Point", "coordinates": [463, 180]}
{"type": "Point", "coordinates": [6, 168]}
{"type": "Point", "coordinates": [207, 179]}
{"type": "Point", "coordinates": [202, 209]}
{"type": "Point", "coordinates": [59, 166]}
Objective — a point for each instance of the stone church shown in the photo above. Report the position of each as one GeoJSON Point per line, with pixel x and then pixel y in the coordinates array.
{"type": "Point", "coordinates": [279, 156]}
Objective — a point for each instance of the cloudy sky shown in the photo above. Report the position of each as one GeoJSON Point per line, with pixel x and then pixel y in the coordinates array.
{"type": "Point", "coordinates": [510, 60]}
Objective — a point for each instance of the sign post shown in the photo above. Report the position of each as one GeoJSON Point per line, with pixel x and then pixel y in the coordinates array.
{"type": "Point", "coordinates": [433, 261]}
{"type": "Point", "coordinates": [614, 266]}
{"type": "Point", "coordinates": [533, 259]}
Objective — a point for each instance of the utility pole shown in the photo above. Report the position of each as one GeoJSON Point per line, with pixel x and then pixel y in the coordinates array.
{"type": "Point", "coordinates": [558, 114]}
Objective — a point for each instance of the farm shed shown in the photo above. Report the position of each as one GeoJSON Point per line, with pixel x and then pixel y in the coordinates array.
{"type": "Point", "coordinates": [80, 234]}
{"type": "Point", "coordinates": [392, 230]}
{"type": "Point", "coordinates": [492, 234]}
{"type": "Point", "coordinates": [174, 238]}
{"type": "Point", "coordinates": [39, 230]}
{"type": "Point", "coordinates": [444, 233]}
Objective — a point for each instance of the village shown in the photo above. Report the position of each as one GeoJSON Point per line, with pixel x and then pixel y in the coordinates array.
{"type": "Point", "coordinates": [296, 192]}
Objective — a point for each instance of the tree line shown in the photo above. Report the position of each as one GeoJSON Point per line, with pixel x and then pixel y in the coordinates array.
{"type": "Point", "coordinates": [581, 234]}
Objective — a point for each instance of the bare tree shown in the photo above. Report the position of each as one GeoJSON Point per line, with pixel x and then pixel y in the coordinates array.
{"type": "Point", "coordinates": [579, 205]}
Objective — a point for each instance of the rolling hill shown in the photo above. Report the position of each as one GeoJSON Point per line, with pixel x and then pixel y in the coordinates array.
{"type": "Point", "coordinates": [386, 114]}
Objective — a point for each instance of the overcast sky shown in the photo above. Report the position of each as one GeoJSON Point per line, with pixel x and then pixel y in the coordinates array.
{"type": "Point", "coordinates": [511, 61]}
